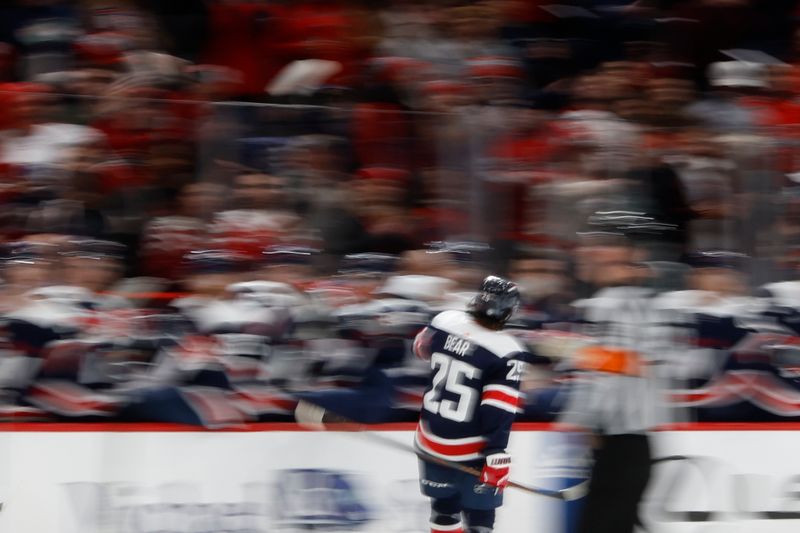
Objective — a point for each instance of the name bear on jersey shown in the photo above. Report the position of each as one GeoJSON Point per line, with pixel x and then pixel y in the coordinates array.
{"type": "Point", "coordinates": [457, 345]}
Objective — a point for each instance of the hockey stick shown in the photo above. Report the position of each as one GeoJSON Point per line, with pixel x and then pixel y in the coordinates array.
{"type": "Point", "coordinates": [316, 417]}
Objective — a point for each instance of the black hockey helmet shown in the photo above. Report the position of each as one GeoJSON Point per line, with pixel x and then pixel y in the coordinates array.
{"type": "Point", "coordinates": [214, 261]}
{"type": "Point", "coordinates": [94, 249]}
{"type": "Point", "coordinates": [625, 228]}
{"type": "Point", "coordinates": [462, 252]}
{"type": "Point", "coordinates": [281, 254]}
{"type": "Point", "coordinates": [368, 264]}
{"type": "Point", "coordinates": [497, 300]}
{"type": "Point", "coordinates": [716, 259]}
{"type": "Point", "coordinates": [28, 253]}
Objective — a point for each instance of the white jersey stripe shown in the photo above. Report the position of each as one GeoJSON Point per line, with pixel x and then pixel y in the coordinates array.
{"type": "Point", "coordinates": [463, 325]}
{"type": "Point", "coordinates": [502, 405]}
{"type": "Point", "coordinates": [452, 527]}
{"type": "Point", "coordinates": [450, 442]}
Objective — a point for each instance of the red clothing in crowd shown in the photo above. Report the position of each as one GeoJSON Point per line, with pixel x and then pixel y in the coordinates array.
{"type": "Point", "coordinates": [782, 117]}
{"type": "Point", "coordinates": [258, 40]}
{"type": "Point", "coordinates": [518, 159]}
{"type": "Point", "coordinates": [245, 37]}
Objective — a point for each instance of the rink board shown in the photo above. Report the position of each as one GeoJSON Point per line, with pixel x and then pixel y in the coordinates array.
{"type": "Point", "coordinates": [143, 479]}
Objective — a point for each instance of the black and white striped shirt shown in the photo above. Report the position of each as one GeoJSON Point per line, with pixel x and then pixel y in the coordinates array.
{"type": "Point", "coordinates": [612, 403]}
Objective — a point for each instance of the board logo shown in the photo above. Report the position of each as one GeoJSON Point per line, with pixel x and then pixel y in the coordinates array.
{"type": "Point", "coordinates": [319, 499]}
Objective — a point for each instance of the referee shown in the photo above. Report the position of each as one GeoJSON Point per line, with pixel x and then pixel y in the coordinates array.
{"type": "Point", "coordinates": [613, 395]}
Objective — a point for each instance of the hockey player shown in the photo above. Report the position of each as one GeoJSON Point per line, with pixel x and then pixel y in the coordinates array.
{"type": "Point", "coordinates": [745, 349]}
{"type": "Point", "coordinates": [94, 266]}
{"type": "Point", "coordinates": [223, 335]}
{"type": "Point", "coordinates": [368, 373]}
{"type": "Point", "coordinates": [468, 407]}
{"type": "Point", "coordinates": [705, 317]}
{"type": "Point", "coordinates": [26, 266]}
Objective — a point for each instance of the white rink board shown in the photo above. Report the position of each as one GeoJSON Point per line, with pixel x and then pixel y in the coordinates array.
{"type": "Point", "coordinates": [730, 481]}
{"type": "Point", "coordinates": [244, 482]}
{"type": "Point", "coordinates": [82, 482]}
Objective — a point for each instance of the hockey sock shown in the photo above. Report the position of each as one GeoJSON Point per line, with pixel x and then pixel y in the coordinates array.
{"type": "Point", "coordinates": [479, 521]}
{"type": "Point", "coordinates": [446, 516]}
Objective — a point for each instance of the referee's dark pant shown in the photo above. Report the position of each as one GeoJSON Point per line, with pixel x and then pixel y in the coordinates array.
{"type": "Point", "coordinates": [619, 477]}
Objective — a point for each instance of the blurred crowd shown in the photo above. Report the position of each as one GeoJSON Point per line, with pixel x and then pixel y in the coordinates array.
{"type": "Point", "coordinates": [211, 208]}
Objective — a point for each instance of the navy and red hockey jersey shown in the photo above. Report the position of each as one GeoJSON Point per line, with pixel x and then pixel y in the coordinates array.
{"type": "Point", "coordinates": [473, 394]}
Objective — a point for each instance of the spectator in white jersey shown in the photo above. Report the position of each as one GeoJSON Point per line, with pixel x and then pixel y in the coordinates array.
{"type": "Point", "coordinates": [468, 407]}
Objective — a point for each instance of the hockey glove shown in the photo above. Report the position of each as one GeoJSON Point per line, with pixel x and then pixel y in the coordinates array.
{"type": "Point", "coordinates": [495, 471]}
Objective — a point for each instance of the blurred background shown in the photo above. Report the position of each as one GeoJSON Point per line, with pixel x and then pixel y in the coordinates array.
{"type": "Point", "coordinates": [212, 208]}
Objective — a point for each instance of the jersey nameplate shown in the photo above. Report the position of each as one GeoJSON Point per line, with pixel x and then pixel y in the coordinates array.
{"type": "Point", "coordinates": [457, 345]}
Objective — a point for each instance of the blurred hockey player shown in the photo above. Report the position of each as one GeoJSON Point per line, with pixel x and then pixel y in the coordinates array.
{"type": "Point", "coordinates": [285, 272]}
{"type": "Point", "coordinates": [370, 372]}
{"type": "Point", "coordinates": [357, 277]}
{"type": "Point", "coordinates": [213, 349]}
{"type": "Point", "coordinates": [70, 337]}
{"type": "Point", "coordinates": [366, 271]}
{"type": "Point", "coordinates": [469, 405]}
{"type": "Point", "coordinates": [717, 276]}
{"type": "Point", "coordinates": [240, 316]}
{"type": "Point", "coordinates": [543, 324]}
{"type": "Point", "coordinates": [543, 279]}
{"type": "Point", "coordinates": [463, 262]}
{"type": "Point", "coordinates": [294, 265]}
{"type": "Point", "coordinates": [784, 293]}
{"type": "Point", "coordinates": [94, 266]}
{"type": "Point", "coordinates": [467, 261]}
{"type": "Point", "coordinates": [453, 269]}
{"type": "Point", "coordinates": [704, 317]}
{"type": "Point", "coordinates": [26, 266]}
{"type": "Point", "coordinates": [744, 349]}
{"type": "Point", "coordinates": [208, 272]}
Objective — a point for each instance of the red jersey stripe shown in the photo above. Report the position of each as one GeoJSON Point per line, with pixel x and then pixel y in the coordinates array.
{"type": "Point", "coordinates": [500, 396]}
{"type": "Point", "coordinates": [462, 451]}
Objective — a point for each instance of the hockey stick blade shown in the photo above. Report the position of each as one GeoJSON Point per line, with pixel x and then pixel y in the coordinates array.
{"type": "Point", "coordinates": [315, 417]}
{"type": "Point", "coordinates": [575, 492]}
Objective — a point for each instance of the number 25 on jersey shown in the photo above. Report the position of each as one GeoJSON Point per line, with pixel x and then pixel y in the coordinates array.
{"type": "Point", "coordinates": [450, 375]}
